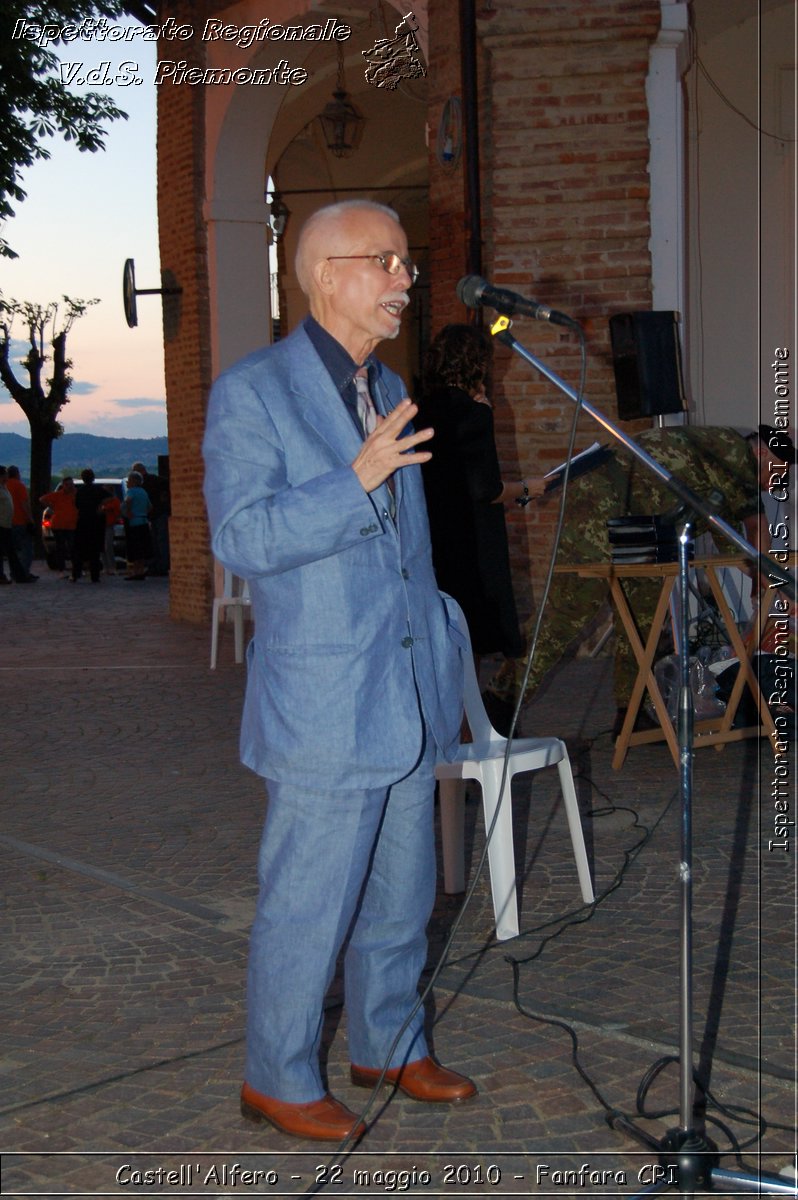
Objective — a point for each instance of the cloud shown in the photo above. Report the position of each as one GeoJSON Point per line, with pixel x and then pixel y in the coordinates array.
{"type": "Point", "coordinates": [141, 402]}
{"type": "Point", "coordinates": [82, 388]}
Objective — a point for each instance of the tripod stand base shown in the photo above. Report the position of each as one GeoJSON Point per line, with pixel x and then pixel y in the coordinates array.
{"type": "Point", "coordinates": [752, 1185]}
{"type": "Point", "coordinates": [690, 1165]}
{"type": "Point", "coordinates": [690, 1158]}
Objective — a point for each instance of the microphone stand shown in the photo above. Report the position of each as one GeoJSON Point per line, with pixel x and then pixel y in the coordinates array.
{"type": "Point", "coordinates": [688, 1160]}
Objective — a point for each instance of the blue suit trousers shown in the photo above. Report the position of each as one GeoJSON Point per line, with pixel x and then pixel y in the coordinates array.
{"type": "Point", "coordinates": [339, 867]}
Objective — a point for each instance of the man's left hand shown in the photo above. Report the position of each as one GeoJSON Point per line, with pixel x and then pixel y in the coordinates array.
{"type": "Point", "coordinates": [385, 451]}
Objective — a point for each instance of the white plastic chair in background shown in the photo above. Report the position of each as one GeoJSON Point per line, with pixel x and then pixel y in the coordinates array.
{"type": "Point", "coordinates": [483, 760]}
{"type": "Point", "coordinates": [231, 601]}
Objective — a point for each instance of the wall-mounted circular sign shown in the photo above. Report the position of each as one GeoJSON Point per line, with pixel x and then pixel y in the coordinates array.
{"type": "Point", "coordinates": [129, 293]}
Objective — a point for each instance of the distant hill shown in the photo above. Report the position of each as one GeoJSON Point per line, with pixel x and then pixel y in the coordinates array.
{"type": "Point", "coordinates": [74, 451]}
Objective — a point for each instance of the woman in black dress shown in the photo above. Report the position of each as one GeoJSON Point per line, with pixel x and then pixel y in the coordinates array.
{"type": "Point", "coordinates": [464, 489]}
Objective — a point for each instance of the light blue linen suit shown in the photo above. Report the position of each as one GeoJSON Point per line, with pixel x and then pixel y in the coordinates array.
{"type": "Point", "coordinates": [354, 687]}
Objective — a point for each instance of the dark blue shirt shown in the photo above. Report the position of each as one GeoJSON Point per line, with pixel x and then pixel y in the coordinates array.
{"type": "Point", "coordinates": [340, 365]}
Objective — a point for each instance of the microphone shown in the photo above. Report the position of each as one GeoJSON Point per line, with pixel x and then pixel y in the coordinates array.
{"type": "Point", "coordinates": [475, 291]}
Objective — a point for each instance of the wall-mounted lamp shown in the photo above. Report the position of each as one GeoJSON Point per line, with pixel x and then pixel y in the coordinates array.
{"type": "Point", "coordinates": [278, 214]}
{"type": "Point", "coordinates": [341, 122]}
{"type": "Point", "coordinates": [449, 143]}
{"type": "Point", "coordinates": [130, 292]}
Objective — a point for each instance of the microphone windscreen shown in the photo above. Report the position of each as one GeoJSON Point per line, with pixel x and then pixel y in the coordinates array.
{"type": "Point", "coordinates": [469, 290]}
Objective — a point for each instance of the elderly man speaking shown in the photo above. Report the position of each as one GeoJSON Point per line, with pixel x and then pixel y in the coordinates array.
{"type": "Point", "coordinates": [314, 494]}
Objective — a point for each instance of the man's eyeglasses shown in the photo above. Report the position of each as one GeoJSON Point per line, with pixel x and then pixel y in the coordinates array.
{"type": "Point", "coordinates": [389, 262]}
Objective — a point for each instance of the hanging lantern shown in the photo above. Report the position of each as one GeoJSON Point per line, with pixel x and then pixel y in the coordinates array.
{"type": "Point", "coordinates": [340, 120]}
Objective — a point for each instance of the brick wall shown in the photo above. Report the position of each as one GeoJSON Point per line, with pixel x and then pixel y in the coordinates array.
{"type": "Point", "coordinates": [183, 246]}
{"type": "Point", "coordinates": [564, 154]}
{"type": "Point", "coordinates": [448, 219]}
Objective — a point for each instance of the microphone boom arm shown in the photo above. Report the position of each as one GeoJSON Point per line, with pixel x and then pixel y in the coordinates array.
{"type": "Point", "coordinates": [765, 566]}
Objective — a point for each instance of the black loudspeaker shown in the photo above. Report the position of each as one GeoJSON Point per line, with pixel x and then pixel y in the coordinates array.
{"type": "Point", "coordinates": [647, 362]}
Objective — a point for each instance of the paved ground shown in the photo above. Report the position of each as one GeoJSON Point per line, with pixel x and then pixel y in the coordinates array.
{"type": "Point", "coordinates": [128, 845]}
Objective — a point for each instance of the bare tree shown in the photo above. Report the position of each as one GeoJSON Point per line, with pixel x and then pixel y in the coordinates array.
{"type": "Point", "coordinates": [40, 399]}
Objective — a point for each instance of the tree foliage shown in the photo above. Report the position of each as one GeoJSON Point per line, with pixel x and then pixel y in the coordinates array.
{"type": "Point", "coordinates": [34, 101]}
{"type": "Point", "coordinates": [41, 399]}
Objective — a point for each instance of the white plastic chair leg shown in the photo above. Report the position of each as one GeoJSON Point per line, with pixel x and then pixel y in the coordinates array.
{"type": "Point", "coordinates": [214, 635]}
{"type": "Point", "coordinates": [451, 800]}
{"type": "Point", "coordinates": [501, 856]}
{"type": "Point", "coordinates": [238, 629]}
{"type": "Point", "coordinates": [575, 827]}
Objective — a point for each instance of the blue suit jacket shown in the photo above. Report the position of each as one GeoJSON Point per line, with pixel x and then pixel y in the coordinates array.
{"type": "Point", "coordinates": [352, 637]}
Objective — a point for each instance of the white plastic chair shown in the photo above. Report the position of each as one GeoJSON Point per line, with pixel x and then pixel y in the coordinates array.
{"type": "Point", "coordinates": [483, 760]}
{"type": "Point", "coordinates": [231, 601]}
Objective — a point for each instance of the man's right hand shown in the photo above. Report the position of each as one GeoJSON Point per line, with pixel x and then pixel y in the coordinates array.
{"type": "Point", "coordinates": [384, 451]}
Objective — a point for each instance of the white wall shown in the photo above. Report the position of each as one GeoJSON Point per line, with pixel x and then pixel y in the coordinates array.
{"type": "Point", "coordinates": [741, 209]}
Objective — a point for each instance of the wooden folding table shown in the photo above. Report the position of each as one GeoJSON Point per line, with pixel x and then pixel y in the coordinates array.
{"type": "Point", "coordinates": [716, 731]}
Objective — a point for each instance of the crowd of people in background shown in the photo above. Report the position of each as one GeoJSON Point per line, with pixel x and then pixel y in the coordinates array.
{"type": "Point", "coordinates": [83, 518]}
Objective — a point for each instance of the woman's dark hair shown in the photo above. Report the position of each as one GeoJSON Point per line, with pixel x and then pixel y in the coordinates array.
{"type": "Point", "coordinates": [459, 356]}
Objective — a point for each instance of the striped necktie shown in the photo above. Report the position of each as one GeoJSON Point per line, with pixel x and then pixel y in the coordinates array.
{"type": "Point", "coordinates": [367, 415]}
{"type": "Point", "coordinates": [366, 412]}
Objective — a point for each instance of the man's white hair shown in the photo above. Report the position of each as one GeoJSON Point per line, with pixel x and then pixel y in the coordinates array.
{"type": "Point", "coordinates": [330, 214]}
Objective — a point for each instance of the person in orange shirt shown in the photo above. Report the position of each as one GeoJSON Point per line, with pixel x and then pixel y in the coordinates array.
{"type": "Point", "coordinates": [112, 507]}
{"type": "Point", "coordinates": [7, 551]}
{"type": "Point", "coordinates": [63, 520]}
{"type": "Point", "coordinates": [23, 527]}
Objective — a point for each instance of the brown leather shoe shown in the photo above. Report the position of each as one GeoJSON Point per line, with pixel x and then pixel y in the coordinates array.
{"type": "Point", "coordinates": [325, 1120]}
{"type": "Point", "coordinates": [423, 1080]}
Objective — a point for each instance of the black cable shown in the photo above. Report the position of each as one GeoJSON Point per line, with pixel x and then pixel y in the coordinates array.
{"type": "Point", "coordinates": [566, 476]}
{"type": "Point", "coordinates": [705, 1100]}
{"type": "Point", "coordinates": [617, 1119]}
{"type": "Point", "coordinates": [585, 912]}
{"type": "Point", "coordinates": [95, 1084]}
{"type": "Point", "coordinates": [776, 137]}
{"type": "Point", "coordinates": [516, 965]}
{"type": "Point", "coordinates": [737, 1112]}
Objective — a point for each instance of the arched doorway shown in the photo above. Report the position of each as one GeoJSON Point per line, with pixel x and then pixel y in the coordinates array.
{"type": "Point", "coordinates": [258, 133]}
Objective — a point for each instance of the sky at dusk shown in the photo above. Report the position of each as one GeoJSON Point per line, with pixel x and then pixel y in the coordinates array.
{"type": "Point", "coordinates": [83, 216]}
